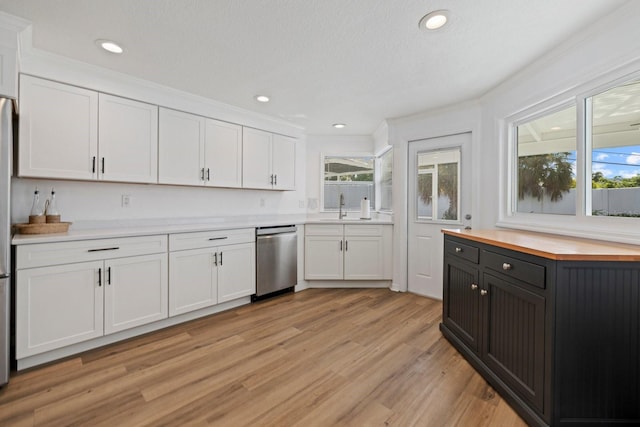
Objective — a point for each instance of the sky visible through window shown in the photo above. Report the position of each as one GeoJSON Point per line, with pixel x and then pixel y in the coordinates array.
{"type": "Point", "coordinates": [623, 162]}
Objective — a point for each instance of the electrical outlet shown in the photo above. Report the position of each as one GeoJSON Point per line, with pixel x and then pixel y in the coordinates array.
{"type": "Point", "coordinates": [126, 201]}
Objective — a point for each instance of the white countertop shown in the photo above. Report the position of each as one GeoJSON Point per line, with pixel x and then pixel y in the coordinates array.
{"type": "Point", "coordinates": [89, 230]}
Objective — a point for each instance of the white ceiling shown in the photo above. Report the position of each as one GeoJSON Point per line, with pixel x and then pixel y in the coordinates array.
{"type": "Point", "coordinates": [321, 61]}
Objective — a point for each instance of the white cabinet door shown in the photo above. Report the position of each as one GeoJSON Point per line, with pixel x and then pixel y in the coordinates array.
{"type": "Point", "coordinates": [364, 258]}
{"type": "Point", "coordinates": [256, 159]}
{"type": "Point", "coordinates": [180, 148]}
{"type": "Point", "coordinates": [128, 140]}
{"type": "Point", "coordinates": [223, 154]}
{"type": "Point", "coordinates": [58, 306]}
{"type": "Point", "coordinates": [58, 130]}
{"type": "Point", "coordinates": [236, 271]}
{"type": "Point", "coordinates": [192, 281]}
{"type": "Point", "coordinates": [284, 162]}
{"type": "Point", "coordinates": [323, 259]}
{"type": "Point", "coordinates": [136, 291]}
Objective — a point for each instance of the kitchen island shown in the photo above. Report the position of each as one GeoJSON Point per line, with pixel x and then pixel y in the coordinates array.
{"type": "Point", "coordinates": [553, 323]}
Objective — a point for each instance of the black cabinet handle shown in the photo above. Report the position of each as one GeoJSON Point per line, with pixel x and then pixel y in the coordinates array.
{"type": "Point", "coordinates": [208, 174]}
{"type": "Point", "coordinates": [215, 259]}
{"type": "Point", "coordinates": [103, 165]}
{"type": "Point", "coordinates": [220, 258]}
{"type": "Point", "coordinates": [99, 277]}
{"type": "Point", "coordinates": [103, 249]}
{"type": "Point", "coordinates": [108, 275]}
{"type": "Point", "coordinates": [93, 165]}
{"type": "Point", "coordinates": [340, 245]}
{"type": "Point", "coordinates": [218, 238]}
{"type": "Point", "coordinates": [275, 179]}
{"type": "Point", "coordinates": [346, 245]}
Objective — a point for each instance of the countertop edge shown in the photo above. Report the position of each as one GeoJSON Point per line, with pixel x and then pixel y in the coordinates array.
{"type": "Point", "coordinates": [140, 230]}
{"type": "Point", "coordinates": [581, 249]}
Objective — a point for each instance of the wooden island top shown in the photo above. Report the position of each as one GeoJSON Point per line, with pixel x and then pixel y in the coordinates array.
{"type": "Point", "coordinates": [551, 246]}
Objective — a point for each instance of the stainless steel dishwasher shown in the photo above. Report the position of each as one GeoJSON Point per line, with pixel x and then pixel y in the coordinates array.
{"type": "Point", "coordinates": [276, 260]}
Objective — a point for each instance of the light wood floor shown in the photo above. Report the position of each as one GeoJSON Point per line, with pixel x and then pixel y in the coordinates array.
{"type": "Point", "coordinates": [316, 358]}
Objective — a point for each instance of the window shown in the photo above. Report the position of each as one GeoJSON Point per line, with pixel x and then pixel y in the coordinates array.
{"type": "Point", "coordinates": [351, 176]}
{"type": "Point", "coordinates": [615, 151]}
{"type": "Point", "coordinates": [547, 164]}
{"type": "Point", "coordinates": [581, 159]}
{"type": "Point", "coordinates": [385, 184]}
{"type": "Point", "coordinates": [438, 185]}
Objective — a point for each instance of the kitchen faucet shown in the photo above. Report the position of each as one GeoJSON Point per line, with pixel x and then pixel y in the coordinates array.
{"type": "Point", "coordinates": [342, 214]}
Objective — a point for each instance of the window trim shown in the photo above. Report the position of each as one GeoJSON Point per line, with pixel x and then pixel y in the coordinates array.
{"type": "Point", "coordinates": [619, 229]}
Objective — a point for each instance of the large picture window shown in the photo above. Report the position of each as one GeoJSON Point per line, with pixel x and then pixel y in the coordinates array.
{"type": "Point", "coordinates": [547, 163]}
{"type": "Point", "coordinates": [615, 151]}
{"type": "Point", "coordinates": [581, 159]}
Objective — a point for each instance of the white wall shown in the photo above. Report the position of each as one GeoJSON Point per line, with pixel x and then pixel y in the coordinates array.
{"type": "Point", "coordinates": [317, 146]}
{"type": "Point", "coordinates": [87, 202]}
{"type": "Point", "coordinates": [601, 54]}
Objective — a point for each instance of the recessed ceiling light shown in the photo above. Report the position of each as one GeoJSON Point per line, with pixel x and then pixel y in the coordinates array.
{"type": "Point", "coordinates": [109, 46]}
{"type": "Point", "coordinates": [262, 98]}
{"type": "Point", "coordinates": [434, 20]}
{"type": "Point", "coordinates": [339, 125]}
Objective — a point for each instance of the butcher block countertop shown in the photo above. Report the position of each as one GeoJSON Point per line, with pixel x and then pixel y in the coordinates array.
{"type": "Point", "coordinates": [551, 246]}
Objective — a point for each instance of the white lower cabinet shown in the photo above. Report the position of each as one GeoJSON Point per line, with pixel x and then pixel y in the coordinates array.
{"type": "Point", "coordinates": [64, 302]}
{"type": "Point", "coordinates": [208, 268]}
{"type": "Point", "coordinates": [347, 252]}
{"type": "Point", "coordinates": [135, 291]}
{"type": "Point", "coordinates": [58, 306]}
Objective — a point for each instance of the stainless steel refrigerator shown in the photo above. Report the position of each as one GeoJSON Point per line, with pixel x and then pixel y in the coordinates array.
{"type": "Point", "coordinates": [6, 142]}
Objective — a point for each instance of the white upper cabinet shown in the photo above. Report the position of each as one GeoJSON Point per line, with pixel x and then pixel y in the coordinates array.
{"type": "Point", "coordinates": [128, 140]}
{"type": "Point", "coordinates": [223, 154]}
{"type": "Point", "coordinates": [58, 130]}
{"type": "Point", "coordinates": [283, 162]}
{"type": "Point", "coordinates": [268, 160]}
{"type": "Point", "coordinates": [74, 133]}
{"type": "Point", "coordinates": [181, 148]}
{"type": "Point", "coordinates": [256, 159]}
{"type": "Point", "coordinates": [195, 150]}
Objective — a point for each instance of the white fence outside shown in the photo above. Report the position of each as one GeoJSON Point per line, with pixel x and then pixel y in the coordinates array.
{"type": "Point", "coordinates": [604, 201]}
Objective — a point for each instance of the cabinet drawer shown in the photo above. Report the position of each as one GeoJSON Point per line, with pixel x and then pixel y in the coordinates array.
{"type": "Point", "coordinates": [363, 230]}
{"type": "Point", "coordinates": [533, 274]}
{"type": "Point", "coordinates": [461, 250]}
{"type": "Point", "coordinates": [323, 230]}
{"type": "Point", "coordinates": [208, 239]}
{"type": "Point", "coordinates": [43, 254]}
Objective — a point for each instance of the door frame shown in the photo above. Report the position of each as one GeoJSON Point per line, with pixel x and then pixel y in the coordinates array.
{"type": "Point", "coordinates": [463, 119]}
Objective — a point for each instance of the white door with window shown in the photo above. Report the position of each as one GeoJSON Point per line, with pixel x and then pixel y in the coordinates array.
{"type": "Point", "coordinates": [439, 197]}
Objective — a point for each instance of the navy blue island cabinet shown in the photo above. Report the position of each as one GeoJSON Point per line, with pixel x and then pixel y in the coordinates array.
{"type": "Point", "coordinates": [552, 323]}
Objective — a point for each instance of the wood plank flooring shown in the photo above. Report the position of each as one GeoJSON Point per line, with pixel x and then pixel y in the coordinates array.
{"type": "Point", "coordinates": [320, 357]}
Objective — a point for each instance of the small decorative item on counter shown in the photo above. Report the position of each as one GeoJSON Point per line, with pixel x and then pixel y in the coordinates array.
{"type": "Point", "coordinates": [365, 209]}
{"type": "Point", "coordinates": [44, 218]}
{"type": "Point", "coordinates": [36, 216]}
{"type": "Point", "coordinates": [51, 209]}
